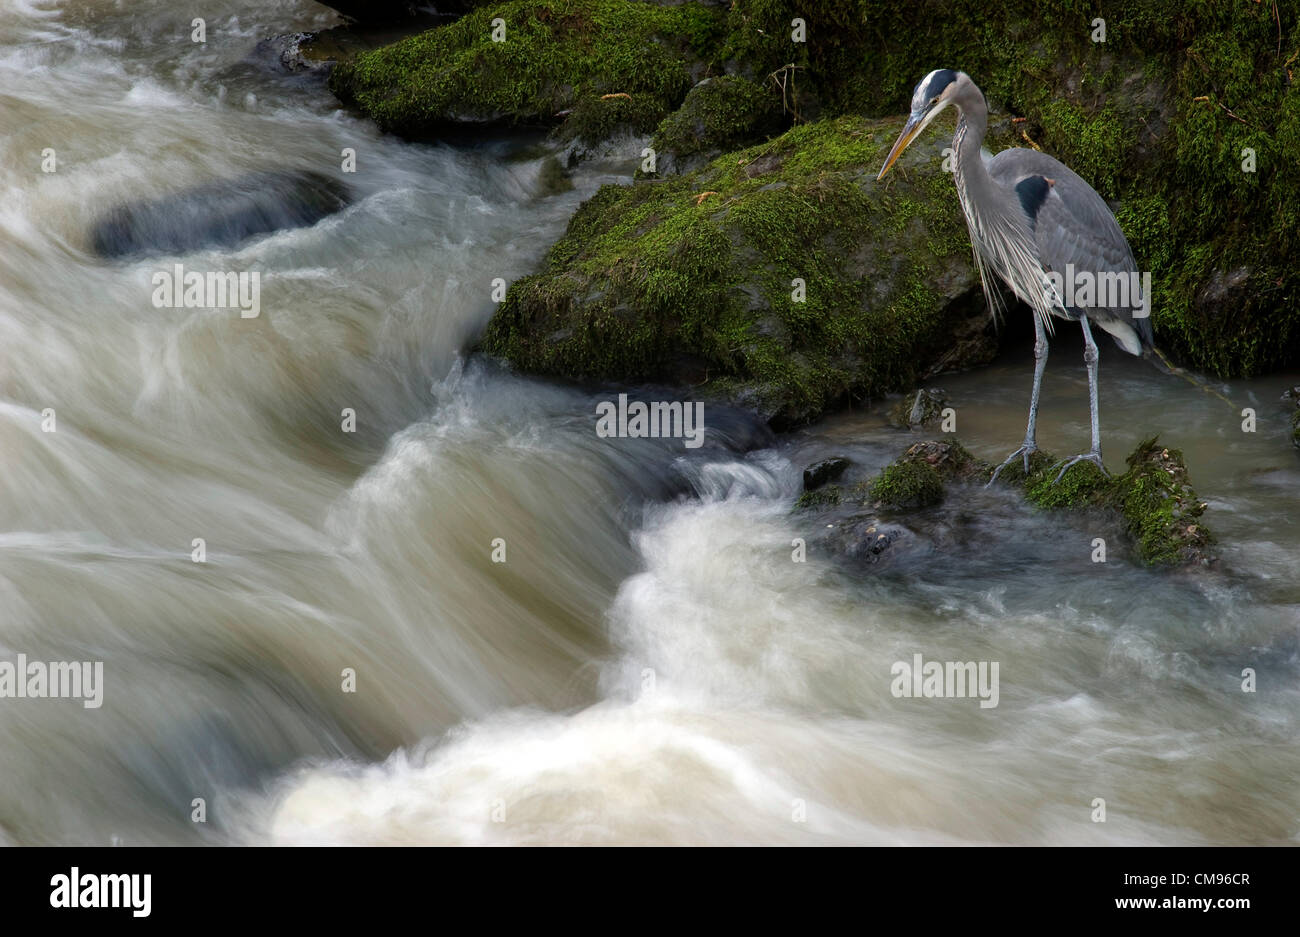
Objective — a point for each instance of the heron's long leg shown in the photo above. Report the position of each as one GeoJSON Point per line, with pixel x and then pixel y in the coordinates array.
{"type": "Point", "coordinates": [1090, 357]}
{"type": "Point", "coordinates": [1030, 445]}
{"type": "Point", "coordinates": [1040, 365]}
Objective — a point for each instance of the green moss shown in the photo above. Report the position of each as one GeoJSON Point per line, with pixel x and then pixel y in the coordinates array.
{"type": "Point", "coordinates": [908, 484]}
{"type": "Point", "coordinates": [826, 497]}
{"type": "Point", "coordinates": [1082, 484]}
{"type": "Point", "coordinates": [719, 114]}
{"type": "Point", "coordinates": [558, 56]}
{"type": "Point", "coordinates": [1161, 509]}
{"type": "Point", "coordinates": [1014, 474]}
{"type": "Point", "coordinates": [916, 478]}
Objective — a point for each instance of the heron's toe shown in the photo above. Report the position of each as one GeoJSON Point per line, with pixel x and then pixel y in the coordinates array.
{"type": "Point", "coordinates": [1093, 457]}
{"type": "Point", "coordinates": [1026, 450]}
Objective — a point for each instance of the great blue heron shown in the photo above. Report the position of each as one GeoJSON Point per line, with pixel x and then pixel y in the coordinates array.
{"type": "Point", "coordinates": [1032, 221]}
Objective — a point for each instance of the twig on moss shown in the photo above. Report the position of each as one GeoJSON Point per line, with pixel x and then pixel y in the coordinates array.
{"type": "Point", "coordinates": [787, 73]}
{"type": "Point", "coordinates": [1206, 97]}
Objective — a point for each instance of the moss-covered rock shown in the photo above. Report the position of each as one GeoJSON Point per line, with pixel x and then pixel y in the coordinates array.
{"type": "Point", "coordinates": [780, 277]}
{"type": "Point", "coordinates": [1161, 509]}
{"type": "Point", "coordinates": [1154, 498]}
{"type": "Point", "coordinates": [907, 484]}
{"type": "Point", "coordinates": [719, 114]}
{"type": "Point", "coordinates": [599, 63]}
{"type": "Point", "coordinates": [917, 478]}
{"type": "Point", "coordinates": [1083, 484]}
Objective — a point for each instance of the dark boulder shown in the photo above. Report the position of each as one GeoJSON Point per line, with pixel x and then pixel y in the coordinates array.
{"type": "Point", "coordinates": [394, 11]}
{"type": "Point", "coordinates": [827, 470]}
{"type": "Point", "coordinates": [218, 214]}
{"type": "Point", "coordinates": [917, 410]}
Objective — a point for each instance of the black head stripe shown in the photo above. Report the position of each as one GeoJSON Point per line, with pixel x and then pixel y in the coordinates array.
{"type": "Point", "coordinates": [931, 87]}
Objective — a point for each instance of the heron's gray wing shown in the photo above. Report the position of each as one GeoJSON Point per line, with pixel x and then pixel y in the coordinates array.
{"type": "Point", "coordinates": [1072, 225]}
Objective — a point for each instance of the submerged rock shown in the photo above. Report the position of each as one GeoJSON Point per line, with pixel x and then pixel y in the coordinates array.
{"type": "Point", "coordinates": [920, 409]}
{"type": "Point", "coordinates": [1293, 395]}
{"type": "Point", "coordinates": [392, 12]}
{"type": "Point", "coordinates": [218, 214]}
{"type": "Point", "coordinates": [827, 470]}
{"type": "Point", "coordinates": [319, 52]}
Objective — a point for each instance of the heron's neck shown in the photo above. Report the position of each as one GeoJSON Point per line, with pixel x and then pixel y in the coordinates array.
{"type": "Point", "coordinates": [968, 164]}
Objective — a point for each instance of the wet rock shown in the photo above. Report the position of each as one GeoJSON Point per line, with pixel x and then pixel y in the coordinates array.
{"type": "Point", "coordinates": [865, 539]}
{"type": "Point", "coordinates": [1223, 290]}
{"type": "Point", "coordinates": [827, 470]}
{"type": "Point", "coordinates": [218, 214]}
{"type": "Point", "coordinates": [1293, 396]}
{"type": "Point", "coordinates": [317, 53]}
{"type": "Point", "coordinates": [923, 408]}
{"type": "Point", "coordinates": [917, 479]}
{"type": "Point", "coordinates": [396, 12]}
{"type": "Point", "coordinates": [1153, 500]}
{"type": "Point", "coordinates": [553, 178]}
{"type": "Point", "coordinates": [285, 53]}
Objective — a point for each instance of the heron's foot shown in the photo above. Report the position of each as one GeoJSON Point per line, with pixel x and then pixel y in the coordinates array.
{"type": "Point", "coordinates": [1026, 451]}
{"type": "Point", "coordinates": [1093, 457]}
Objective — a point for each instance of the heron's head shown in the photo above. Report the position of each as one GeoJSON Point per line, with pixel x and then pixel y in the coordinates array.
{"type": "Point", "coordinates": [934, 92]}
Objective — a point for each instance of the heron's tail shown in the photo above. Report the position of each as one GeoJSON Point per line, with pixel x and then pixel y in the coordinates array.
{"type": "Point", "coordinates": [1161, 363]}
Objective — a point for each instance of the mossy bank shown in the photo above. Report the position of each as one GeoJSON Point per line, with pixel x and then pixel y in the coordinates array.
{"type": "Point", "coordinates": [591, 65]}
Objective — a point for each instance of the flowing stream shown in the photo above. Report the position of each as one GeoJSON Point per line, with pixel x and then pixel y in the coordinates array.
{"type": "Point", "coordinates": [648, 664]}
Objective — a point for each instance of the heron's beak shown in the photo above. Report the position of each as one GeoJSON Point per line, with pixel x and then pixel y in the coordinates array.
{"type": "Point", "coordinates": [915, 124]}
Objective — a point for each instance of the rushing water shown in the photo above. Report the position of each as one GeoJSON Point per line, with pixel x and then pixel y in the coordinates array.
{"type": "Point", "coordinates": [648, 665]}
